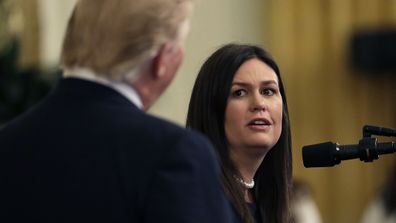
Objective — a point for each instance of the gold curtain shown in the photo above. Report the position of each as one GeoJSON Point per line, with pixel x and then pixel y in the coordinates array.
{"type": "Point", "coordinates": [328, 100]}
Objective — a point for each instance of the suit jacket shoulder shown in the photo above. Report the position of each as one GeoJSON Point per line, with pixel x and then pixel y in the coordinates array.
{"type": "Point", "coordinates": [87, 154]}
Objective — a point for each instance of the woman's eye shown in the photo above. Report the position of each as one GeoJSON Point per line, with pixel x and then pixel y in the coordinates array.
{"type": "Point", "coordinates": [268, 91]}
{"type": "Point", "coordinates": [239, 93]}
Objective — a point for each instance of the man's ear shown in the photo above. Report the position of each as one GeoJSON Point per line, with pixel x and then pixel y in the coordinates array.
{"type": "Point", "coordinates": [168, 58]}
{"type": "Point", "coordinates": [159, 73]}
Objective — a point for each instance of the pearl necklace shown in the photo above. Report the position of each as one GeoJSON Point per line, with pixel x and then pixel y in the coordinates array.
{"type": "Point", "coordinates": [244, 183]}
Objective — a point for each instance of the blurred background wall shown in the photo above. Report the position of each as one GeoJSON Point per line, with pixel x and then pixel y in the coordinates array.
{"type": "Point", "coordinates": [329, 100]}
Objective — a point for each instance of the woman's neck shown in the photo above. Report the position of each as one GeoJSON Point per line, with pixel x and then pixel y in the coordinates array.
{"type": "Point", "coordinates": [247, 164]}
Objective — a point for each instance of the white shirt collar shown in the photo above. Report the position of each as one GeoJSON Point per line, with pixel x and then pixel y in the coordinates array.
{"type": "Point", "coordinates": [86, 74]}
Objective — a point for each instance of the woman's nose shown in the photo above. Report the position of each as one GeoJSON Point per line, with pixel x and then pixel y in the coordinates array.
{"type": "Point", "coordinates": [257, 103]}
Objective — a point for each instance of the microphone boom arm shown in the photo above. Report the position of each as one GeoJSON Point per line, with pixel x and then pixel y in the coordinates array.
{"type": "Point", "coordinates": [329, 154]}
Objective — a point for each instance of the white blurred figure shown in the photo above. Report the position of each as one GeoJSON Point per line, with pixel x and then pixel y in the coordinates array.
{"type": "Point", "coordinates": [376, 213]}
{"type": "Point", "coordinates": [304, 209]}
{"type": "Point", "coordinates": [383, 208]}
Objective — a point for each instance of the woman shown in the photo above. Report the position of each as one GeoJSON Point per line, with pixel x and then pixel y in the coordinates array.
{"type": "Point", "coordinates": [239, 102]}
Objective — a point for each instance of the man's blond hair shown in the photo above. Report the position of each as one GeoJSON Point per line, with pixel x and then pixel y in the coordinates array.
{"type": "Point", "coordinates": [113, 37]}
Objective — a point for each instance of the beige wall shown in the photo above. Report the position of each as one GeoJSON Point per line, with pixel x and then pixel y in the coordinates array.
{"type": "Point", "coordinates": [53, 20]}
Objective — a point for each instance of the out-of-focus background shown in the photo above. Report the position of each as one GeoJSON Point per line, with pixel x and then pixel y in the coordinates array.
{"type": "Point", "coordinates": [333, 54]}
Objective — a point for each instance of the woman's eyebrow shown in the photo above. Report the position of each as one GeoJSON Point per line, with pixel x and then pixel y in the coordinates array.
{"type": "Point", "coordinates": [266, 82]}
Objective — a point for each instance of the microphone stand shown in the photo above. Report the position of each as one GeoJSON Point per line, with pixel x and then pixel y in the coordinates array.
{"type": "Point", "coordinates": [368, 146]}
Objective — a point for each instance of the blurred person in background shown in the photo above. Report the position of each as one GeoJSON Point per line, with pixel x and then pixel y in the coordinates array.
{"type": "Point", "coordinates": [303, 206]}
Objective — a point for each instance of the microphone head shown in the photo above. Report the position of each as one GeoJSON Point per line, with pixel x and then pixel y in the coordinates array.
{"type": "Point", "coordinates": [320, 155]}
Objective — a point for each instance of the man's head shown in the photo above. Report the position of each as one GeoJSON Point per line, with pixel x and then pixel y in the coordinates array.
{"type": "Point", "coordinates": [125, 40]}
{"type": "Point", "coordinates": [113, 37]}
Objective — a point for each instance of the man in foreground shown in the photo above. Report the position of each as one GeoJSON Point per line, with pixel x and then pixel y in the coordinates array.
{"type": "Point", "coordinates": [88, 152]}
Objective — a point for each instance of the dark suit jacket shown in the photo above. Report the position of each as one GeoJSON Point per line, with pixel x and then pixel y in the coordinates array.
{"type": "Point", "coordinates": [87, 154]}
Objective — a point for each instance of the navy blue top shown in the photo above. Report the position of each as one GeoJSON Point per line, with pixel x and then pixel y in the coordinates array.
{"type": "Point", "coordinates": [254, 210]}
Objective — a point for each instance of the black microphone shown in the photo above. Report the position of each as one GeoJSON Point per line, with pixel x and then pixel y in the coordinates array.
{"type": "Point", "coordinates": [329, 154]}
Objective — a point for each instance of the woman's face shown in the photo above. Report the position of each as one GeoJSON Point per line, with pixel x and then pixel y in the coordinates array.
{"type": "Point", "coordinates": [254, 109]}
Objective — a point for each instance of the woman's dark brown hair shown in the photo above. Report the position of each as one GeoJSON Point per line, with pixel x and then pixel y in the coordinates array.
{"type": "Point", "coordinates": [207, 114]}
